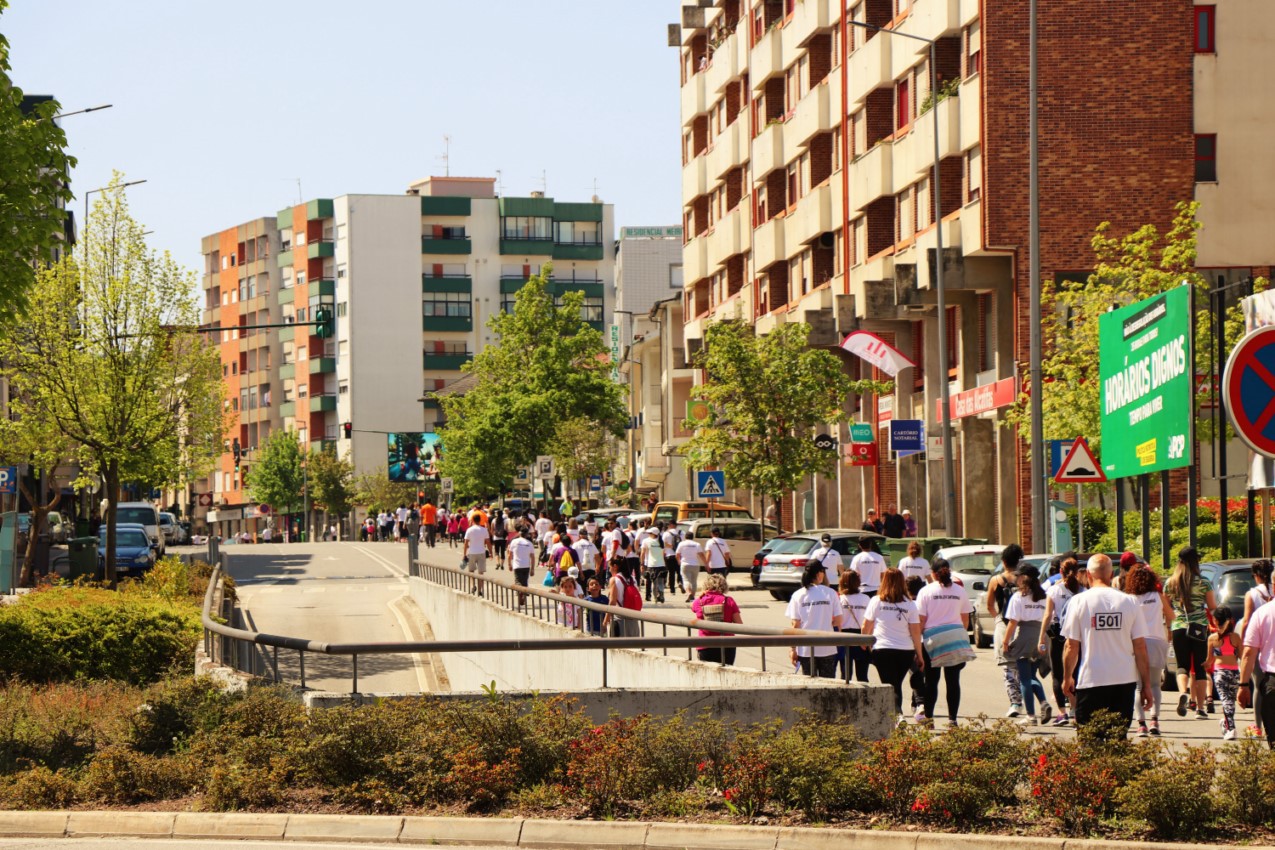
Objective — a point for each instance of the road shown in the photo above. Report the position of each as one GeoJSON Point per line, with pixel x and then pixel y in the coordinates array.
{"type": "Point", "coordinates": [338, 593]}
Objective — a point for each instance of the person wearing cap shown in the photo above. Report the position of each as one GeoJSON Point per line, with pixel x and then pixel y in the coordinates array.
{"type": "Point", "coordinates": [816, 607]}
{"type": "Point", "coordinates": [869, 565]}
{"type": "Point", "coordinates": [652, 555]}
{"type": "Point", "coordinates": [909, 524]}
{"type": "Point", "coordinates": [828, 557]}
{"type": "Point", "coordinates": [573, 573]}
{"type": "Point", "coordinates": [892, 524]}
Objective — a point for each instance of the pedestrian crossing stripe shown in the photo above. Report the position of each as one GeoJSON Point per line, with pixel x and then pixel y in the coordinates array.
{"type": "Point", "coordinates": [711, 485]}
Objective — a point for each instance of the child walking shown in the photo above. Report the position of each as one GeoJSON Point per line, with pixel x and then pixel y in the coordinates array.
{"type": "Point", "coordinates": [1224, 650]}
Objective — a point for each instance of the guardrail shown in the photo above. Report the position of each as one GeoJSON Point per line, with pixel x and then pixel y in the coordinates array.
{"type": "Point", "coordinates": [235, 647]}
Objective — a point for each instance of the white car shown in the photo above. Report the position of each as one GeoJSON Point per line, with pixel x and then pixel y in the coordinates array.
{"type": "Point", "coordinates": [974, 566]}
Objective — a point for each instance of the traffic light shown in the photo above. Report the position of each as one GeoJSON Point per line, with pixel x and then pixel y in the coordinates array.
{"type": "Point", "coordinates": [349, 429]}
{"type": "Point", "coordinates": [323, 322]}
{"type": "Point", "coordinates": [238, 454]}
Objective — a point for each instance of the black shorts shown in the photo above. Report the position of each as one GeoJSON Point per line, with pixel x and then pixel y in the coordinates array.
{"type": "Point", "coordinates": [1190, 655]}
{"type": "Point", "coordinates": [521, 575]}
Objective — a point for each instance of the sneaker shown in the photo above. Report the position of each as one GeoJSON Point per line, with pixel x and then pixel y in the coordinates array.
{"type": "Point", "coordinates": [953, 724]}
{"type": "Point", "coordinates": [1182, 700]}
{"type": "Point", "coordinates": [1014, 711]}
{"type": "Point", "coordinates": [1029, 720]}
{"type": "Point", "coordinates": [1201, 715]}
{"type": "Point", "coordinates": [1208, 706]}
{"type": "Point", "coordinates": [1062, 719]}
{"type": "Point", "coordinates": [1228, 735]}
{"type": "Point", "coordinates": [1142, 730]}
{"type": "Point", "coordinates": [1046, 712]}
{"type": "Point", "coordinates": [1155, 728]}
{"type": "Point", "coordinates": [901, 722]}
{"type": "Point", "coordinates": [919, 717]}
{"type": "Point", "coordinates": [1252, 731]}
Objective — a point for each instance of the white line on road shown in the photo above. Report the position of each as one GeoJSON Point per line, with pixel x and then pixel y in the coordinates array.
{"type": "Point", "coordinates": [409, 634]}
{"type": "Point", "coordinates": [394, 569]}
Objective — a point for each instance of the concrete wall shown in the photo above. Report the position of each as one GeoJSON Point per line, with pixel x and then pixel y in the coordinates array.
{"type": "Point", "coordinates": [642, 681]}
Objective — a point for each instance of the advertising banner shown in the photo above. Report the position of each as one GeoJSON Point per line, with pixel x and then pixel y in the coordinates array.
{"type": "Point", "coordinates": [1144, 364]}
{"type": "Point", "coordinates": [413, 457]}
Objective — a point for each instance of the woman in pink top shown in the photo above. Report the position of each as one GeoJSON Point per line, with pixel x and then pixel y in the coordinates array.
{"type": "Point", "coordinates": [1224, 649]}
{"type": "Point", "coordinates": [714, 605]}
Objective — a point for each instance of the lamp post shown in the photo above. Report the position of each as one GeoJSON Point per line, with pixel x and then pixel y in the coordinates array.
{"type": "Point", "coordinates": [632, 435]}
{"type": "Point", "coordinates": [83, 111]}
{"type": "Point", "coordinates": [100, 189]}
{"type": "Point", "coordinates": [1040, 493]}
{"type": "Point", "coordinates": [945, 390]}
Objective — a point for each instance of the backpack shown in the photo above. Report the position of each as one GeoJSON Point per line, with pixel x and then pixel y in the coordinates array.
{"type": "Point", "coordinates": [623, 540]}
{"type": "Point", "coordinates": [566, 559]}
{"type": "Point", "coordinates": [632, 598]}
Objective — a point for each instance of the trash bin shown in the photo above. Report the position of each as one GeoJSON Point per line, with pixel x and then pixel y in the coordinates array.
{"type": "Point", "coordinates": [83, 556]}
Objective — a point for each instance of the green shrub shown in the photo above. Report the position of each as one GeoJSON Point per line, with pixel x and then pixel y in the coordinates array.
{"type": "Point", "coordinates": [67, 633]}
{"type": "Point", "coordinates": [60, 726]}
{"type": "Point", "coordinates": [39, 788]}
{"type": "Point", "coordinates": [1246, 783]}
{"type": "Point", "coordinates": [175, 710]}
{"type": "Point", "coordinates": [232, 786]}
{"type": "Point", "coordinates": [812, 767]}
{"type": "Point", "coordinates": [951, 803]}
{"type": "Point", "coordinates": [604, 765]}
{"type": "Point", "coordinates": [119, 774]}
{"type": "Point", "coordinates": [173, 581]}
{"type": "Point", "coordinates": [1173, 796]}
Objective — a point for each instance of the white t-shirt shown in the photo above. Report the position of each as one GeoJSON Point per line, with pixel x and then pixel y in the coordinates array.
{"type": "Point", "coordinates": [914, 568]}
{"type": "Point", "coordinates": [1106, 622]}
{"type": "Point", "coordinates": [476, 537]}
{"type": "Point", "coordinates": [1152, 610]}
{"type": "Point", "coordinates": [869, 566]}
{"type": "Point", "coordinates": [815, 607]}
{"type": "Point", "coordinates": [1260, 595]}
{"type": "Point", "coordinates": [688, 553]}
{"type": "Point", "coordinates": [852, 608]}
{"type": "Point", "coordinates": [617, 549]}
{"type": "Point", "coordinates": [542, 526]}
{"type": "Point", "coordinates": [943, 606]}
{"type": "Point", "coordinates": [670, 543]}
{"type": "Point", "coordinates": [573, 533]}
{"type": "Point", "coordinates": [831, 561]}
{"type": "Point", "coordinates": [891, 623]}
{"type": "Point", "coordinates": [1024, 609]}
{"type": "Point", "coordinates": [586, 553]}
{"type": "Point", "coordinates": [1062, 599]}
{"type": "Point", "coordinates": [522, 553]}
{"type": "Point", "coordinates": [652, 554]}
{"type": "Point", "coordinates": [717, 550]}
{"type": "Point", "coordinates": [591, 526]}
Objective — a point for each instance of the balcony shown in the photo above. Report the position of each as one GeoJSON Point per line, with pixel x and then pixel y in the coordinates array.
{"type": "Point", "coordinates": [445, 283]}
{"type": "Point", "coordinates": [287, 333]}
{"type": "Point", "coordinates": [457, 324]}
{"type": "Point", "coordinates": [285, 258]}
{"type": "Point", "coordinates": [768, 244]}
{"type": "Point", "coordinates": [932, 19]}
{"type": "Point", "coordinates": [725, 153]}
{"type": "Point", "coordinates": [287, 370]}
{"type": "Point", "coordinates": [872, 176]}
{"type": "Point", "coordinates": [430, 245]}
{"type": "Point", "coordinates": [526, 247]}
{"type": "Point", "coordinates": [810, 118]}
{"type": "Point", "coordinates": [286, 296]}
{"type": "Point", "coordinates": [325, 403]}
{"type": "Point", "coordinates": [695, 259]}
{"type": "Point", "coordinates": [318, 250]}
{"type": "Point", "coordinates": [728, 237]}
{"type": "Point", "coordinates": [869, 67]}
{"type": "Point", "coordinates": [971, 101]}
{"type": "Point", "coordinates": [318, 209]}
{"type": "Point", "coordinates": [448, 362]}
{"type": "Point", "coordinates": [767, 59]}
{"type": "Point", "coordinates": [288, 409]}
{"type": "Point", "coordinates": [693, 100]}
{"type": "Point", "coordinates": [322, 365]}
{"type": "Point", "coordinates": [694, 178]}
{"type": "Point", "coordinates": [914, 153]}
{"type": "Point", "coordinates": [442, 205]}
{"type": "Point", "coordinates": [807, 21]}
{"type": "Point", "coordinates": [577, 250]}
{"type": "Point", "coordinates": [768, 150]}
{"type": "Point", "coordinates": [814, 215]}
{"type": "Point", "coordinates": [323, 286]}
{"type": "Point", "coordinates": [724, 66]}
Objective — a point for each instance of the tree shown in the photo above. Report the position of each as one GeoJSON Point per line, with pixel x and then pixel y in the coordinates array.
{"type": "Point", "coordinates": [580, 449]}
{"type": "Point", "coordinates": [108, 356]}
{"type": "Point", "coordinates": [35, 183]}
{"type": "Point", "coordinates": [375, 490]}
{"type": "Point", "coordinates": [331, 481]}
{"type": "Point", "coordinates": [275, 477]}
{"type": "Point", "coordinates": [549, 366]}
{"type": "Point", "coordinates": [768, 394]}
{"type": "Point", "coordinates": [39, 445]}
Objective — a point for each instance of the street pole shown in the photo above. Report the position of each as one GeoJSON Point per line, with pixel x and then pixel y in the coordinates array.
{"type": "Point", "coordinates": [1040, 498]}
{"type": "Point", "coordinates": [305, 496]}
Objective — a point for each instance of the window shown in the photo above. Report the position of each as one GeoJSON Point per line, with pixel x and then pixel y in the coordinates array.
{"type": "Point", "coordinates": [456, 305]}
{"type": "Point", "coordinates": [675, 276]}
{"type": "Point", "coordinates": [438, 348]}
{"type": "Point", "coordinates": [903, 102]}
{"type": "Point", "coordinates": [973, 49]}
{"type": "Point", "coordinates": [591, 311]}
{"type": "Point", "coordinates": [577, 232]}
{"type": "Point", "coordinates": [438, 231]}
{"type": "Point", "coordinates": [973, 174]}
{"type": "Point", "coordinates": [340, 269]}
{"type": "Point", "coordinates": [836, 149]}
{"type": "Point", "coordinates": [526, 227]}
{"type": "Point", "coordinates": [1205, 30]}
{"type": "Point", "coordinates": [341, 309]}
{"type": "Point", "coordinates": [285, 239]}
{"type": "Point", "coordinates": [1206, 158]}
{"type": "Point", "coordinates": [285, 277]}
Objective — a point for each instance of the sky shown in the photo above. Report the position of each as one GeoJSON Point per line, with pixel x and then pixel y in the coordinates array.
{"type": "Point", "coordinates": [222, 107]}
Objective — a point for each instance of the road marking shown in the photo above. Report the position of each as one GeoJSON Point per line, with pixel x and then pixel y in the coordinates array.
{"type": "Point", "coordinates": [422, 677]}
{"type": "Point", "coordinates": [393, 569]}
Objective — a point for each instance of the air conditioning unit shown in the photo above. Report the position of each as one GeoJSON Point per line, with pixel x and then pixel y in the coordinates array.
{"type": "Point", "coordinates": [693, 17]}
{"type": "Point", "coordinates": [827, 240]}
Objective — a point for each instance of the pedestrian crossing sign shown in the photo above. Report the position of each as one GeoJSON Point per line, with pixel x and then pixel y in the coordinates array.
{"type": "Point", "coordinates": [710, 484]}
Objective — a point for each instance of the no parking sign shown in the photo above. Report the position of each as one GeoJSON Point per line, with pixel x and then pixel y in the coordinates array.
{"type": "Point", "coordinates": [1248, 386]}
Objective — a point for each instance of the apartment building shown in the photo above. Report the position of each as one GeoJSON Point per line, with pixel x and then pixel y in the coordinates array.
{"type": "Point", "coordinates": [411, 281]}
{"type": "Point", "coordinates": [808, 191]}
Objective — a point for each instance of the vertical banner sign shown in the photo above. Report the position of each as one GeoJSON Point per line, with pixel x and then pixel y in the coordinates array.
{"type": "Point", "coordinates": [615, 352]}
{"type": "Point", "coordinates": [1147, 385]}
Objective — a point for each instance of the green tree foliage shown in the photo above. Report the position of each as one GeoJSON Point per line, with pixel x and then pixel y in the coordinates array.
{"type": "Point", "coordinates": [375, 491]}
{"type": "Point", "coordinates": [580, 448]}
{"type": "Point", "coordinates": [275, 477]}
{"type": "Point", "coordinates": [331, 481]}
{"type": "Point", "coordinates": [768, 395]}
{"type": "Point", "coordinates": [549, 366]}
{"type": "Point", "coordinates": [39, 444]}
{"type": "Point", "coordinates": [108, 358]}
{"type": "Point", "coordinates": [34, 184]}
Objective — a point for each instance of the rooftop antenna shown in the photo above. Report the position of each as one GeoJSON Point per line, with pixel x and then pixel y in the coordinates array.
{"type": "Point", "coordinates": [446, 157]}
{"type": "Point", "coordinates": [595, 190]}
{"type": "Point", "coordinates": [544, 181]}
{"type": "Point", "coordinates": [300, 197]}
{"type": "Point", "coordinates": [500, 183]}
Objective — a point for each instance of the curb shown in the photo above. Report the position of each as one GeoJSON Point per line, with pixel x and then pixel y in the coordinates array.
{"type": "Point", "coordinates": [519, 832]}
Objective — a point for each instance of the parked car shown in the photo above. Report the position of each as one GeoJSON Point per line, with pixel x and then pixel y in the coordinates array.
{"type": "Point", "coordinates": [145, 514]}
{"type": "Point", "coordinates": [781, 569]}
{"type": "Point", "coordinates": [743, 536]}
{"type": "Point", "coordinates": [184, 533]}
{"type": "Point", "coordinates": [168, 528]}
{"type": "Point", "coordinates": [134, 553]}
{"type": "Point", "coordinates": [1231, 580]}
{"type": "Point", "coordinates": [759, 556]}
{"type": "Point", "coordinates": [671, 513]}
{"type": "Point", "coordinates": [973, 566]}
{"type": "Point", "coordinates": [60, 528]}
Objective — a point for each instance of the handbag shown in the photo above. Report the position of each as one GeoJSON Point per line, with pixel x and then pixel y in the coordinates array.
{"type": "Point", "coordinates": [1197, 631]}
{"type": "Point", "coordinates": [947, 645]}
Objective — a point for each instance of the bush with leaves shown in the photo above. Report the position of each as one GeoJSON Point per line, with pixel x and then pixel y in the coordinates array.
{"type": "Point", "coordinates": [1173, 796]}
{"type": "Point", "coordinates": [1246, 783]}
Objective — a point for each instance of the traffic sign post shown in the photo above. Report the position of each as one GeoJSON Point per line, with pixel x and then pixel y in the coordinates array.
{"type": "Point", "coordinates": [1248, 387]}
{"type": "Point", "coordinates": [9, 480]}
{"type": "Point", "coordinates": [710, 484]}
{"type": "Point", "coordinates": [1080, 466]}
{"type": "Point", "coordinates": [907, 436]}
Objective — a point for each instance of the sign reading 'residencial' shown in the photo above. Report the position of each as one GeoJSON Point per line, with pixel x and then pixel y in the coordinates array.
{"type": "Point", "coordinates": [1144, 368]}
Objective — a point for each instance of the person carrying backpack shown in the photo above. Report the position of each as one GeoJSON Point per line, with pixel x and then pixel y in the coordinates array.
{"type": "Point", "coordinates": [623, 592]}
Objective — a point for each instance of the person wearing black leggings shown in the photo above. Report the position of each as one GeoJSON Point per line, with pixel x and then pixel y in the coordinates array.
{"type": "Point", "coordinates": [939, 604]}
{"type": "Point", "coordinates": [892, 619]}
{"type": "Point", "coordinates": [1051, 639]}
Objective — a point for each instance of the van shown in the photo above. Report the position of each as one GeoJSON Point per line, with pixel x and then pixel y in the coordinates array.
{"type": "Point", "coordinates": [671, 513]}
{"type": "Point", "coordinates": [144, 514]}
{"type": "Point", "coordinates": [743, 536]}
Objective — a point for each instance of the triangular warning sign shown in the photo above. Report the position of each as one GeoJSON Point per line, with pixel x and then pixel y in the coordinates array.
{"type": "Point", "coordinates": [710, 487]}
{"type": "Point", "coordinates": [1080, 466]}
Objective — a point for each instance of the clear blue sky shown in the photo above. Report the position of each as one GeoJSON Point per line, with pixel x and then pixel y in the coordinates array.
{"type": "Point", "coordinates": [222, 106]}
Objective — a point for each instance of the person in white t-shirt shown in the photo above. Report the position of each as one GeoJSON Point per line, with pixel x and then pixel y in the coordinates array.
{"type": "Point", "coordinates": [853, 605]}
{"type": "Point", "coordinates": [1257, 596]}
{"type": "Point", "coordinates": [588, 557]}
{"type": "Point", "coordinates": [543, 526]}
{"type": "Point", "coordinates": [690, 557]}
{"type": "Point", "coordinates": [815, 607]}
{"type": "Point", "coordinates": [1103, 625]}
{"type": "Point", "coordinates": [942, 603]}
{"type": "Point", "coordinates": [893, 620]}
{"type": "Point", "coordinates": [869, 565]}
{"type": "Point", "coordinates": [717, 553]}
{"type": "Point", "coordinates": [1025, 612]}
{"type": "Point", "coordinates": [1057, 596]}
{"type": "Point", "coordinates": [477, 548]}
{"type": "Point", "coordinates": [1157, 614]}
{"type": "Point", "coordinates": [652, 555]}
{"type": "Point", "coordinates": [914, 566]}
{"type": "Point", "coordinates": [670, 538]}
{"type": "Point", "coordinates": [521, 556]}
{"type": "Point", "coordinates": [830, 559]}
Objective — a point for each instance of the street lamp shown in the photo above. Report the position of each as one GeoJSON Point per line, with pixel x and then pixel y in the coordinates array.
{"type": "Point", "coordinates": [632, 435]}
{"type": "Point", "coordinates": [945, 420]}
{"type": "Point", "coordinates": [1035, 372]}
{"type": "Point", "coordinates": [83, 111]}
{"type": "Point", "coordinates": [103, 189]}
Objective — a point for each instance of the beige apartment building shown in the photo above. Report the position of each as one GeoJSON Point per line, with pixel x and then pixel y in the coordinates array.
{"type": "Point", "coordinates": [808, 195]}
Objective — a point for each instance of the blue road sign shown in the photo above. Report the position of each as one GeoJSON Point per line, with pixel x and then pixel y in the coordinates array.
{"type": "Point", "coordinates": [1058, 451]}
{"type": "Point", "coordinates": [8, 480]}
{"type": "Point", "coordinates": [907, 436]}
{"type": "Point", "coordinates": [595, 483]}
{"type": "Point", "coordinates": [710, 484]}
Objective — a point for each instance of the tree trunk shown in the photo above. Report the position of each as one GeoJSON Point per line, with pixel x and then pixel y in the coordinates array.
{"type": "Point", "coordinates": [39, 517]}
{"type": "Point", "coordinates": [111, 480]}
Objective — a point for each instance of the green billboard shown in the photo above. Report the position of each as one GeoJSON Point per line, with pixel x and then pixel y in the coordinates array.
{"type": "Point", "coordinates": [1144, 353]}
